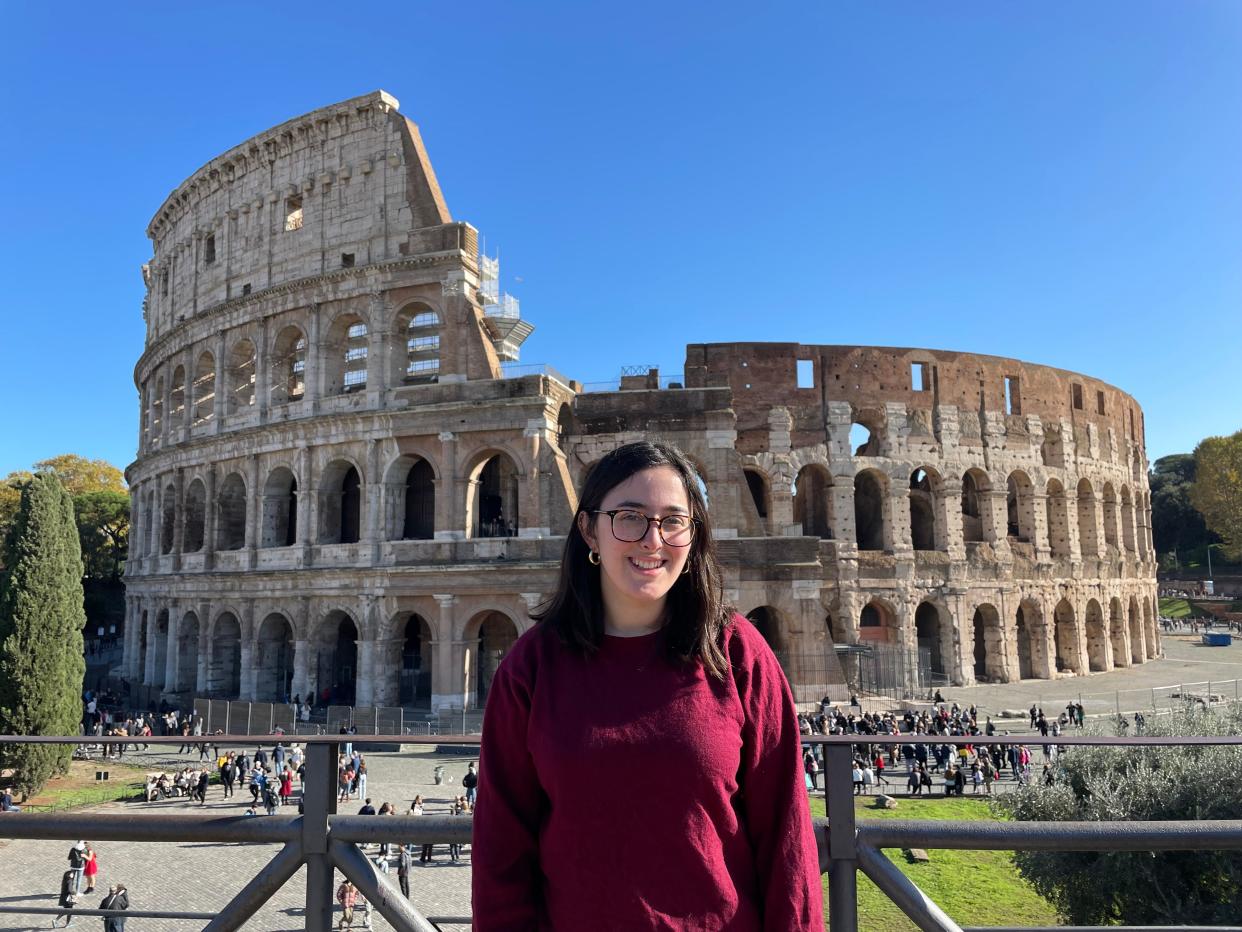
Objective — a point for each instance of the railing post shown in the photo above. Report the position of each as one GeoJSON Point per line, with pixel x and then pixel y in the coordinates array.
{"type": "Point", "coordinates": [318, 802]}
{"type": "Point", "coordinates": [842, 840]}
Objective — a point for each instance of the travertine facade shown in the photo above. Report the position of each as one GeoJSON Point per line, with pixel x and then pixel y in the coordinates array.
{"type": "Point", "coordinates": [337, 489]}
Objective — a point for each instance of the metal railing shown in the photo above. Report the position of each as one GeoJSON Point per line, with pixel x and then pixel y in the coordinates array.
{"type": "Point", "coordinates": [325, 841]}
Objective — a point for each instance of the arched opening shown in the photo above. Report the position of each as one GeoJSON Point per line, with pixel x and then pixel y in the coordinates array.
{"type": "Point", "coordinates": [176, 402]}
{"type": "Point", "coordinates": [1110, 515]}
{"type": "Point", "coordinates": [336, 668]}
{"type": "Point", "coordinates": [492, 634]}
{"type": "Point", "coordinates": [1020, 507]}
{"type": "Point", "coordinates": [1065, 637]}
{"type": "Point", "coordinates": [935, 638]}
{"type": "Point", "coordinates": [416, 661]}
{"type": "Point", "coordinates": [1127, 519]}
{"type": "Point", "coordinates": [239, 394]}
{"type": "Point", "coordinates": [869, 523]}
{"type": "Point", "coordinates": [812, 501]}
{"type": "Point", "coordinates": [288, 366]}
{"type": "Point", "coordinates": [204, 392]}
{"type": "Point", "coordinates": [758, 488]}
{"type": "Point", "coordinates": [151, 533]}
{"type": "Point", "coordinates": [187, 654]}
{"type": "Point", "coordinates": [989, 645]}
{"type": "Point", "coordinates": [877, 622]}
{"type": "Point", "coordinates": [419, 329]}
{"type": "Point", "coordinates": [1117, 634]}
{"type": "Point", "coordinates": [345, 355]}
{"type": "Point", "coordinates": [863, 440]}
{"type": "Point", "coordinates": [224, 666]}
{"type": "Point", "coordinates": [340, 504]}
{"type": "Point", "coordinates": [975, 486]}
{"type": "Point", "coordinates": [161, 649]}
{"type": "Point", "coordinates": [923, 531]}
{"type": "Point", "coordinates": [1088, 534]}
{"type": "Point", "coordinates": [280, 509]}
{"type": "Point", "coordinates": [494, 499]}
{"type": "Point", "coordinates": [564, 426]}
{"type": "Point", "coordinates": [231, 516]}
{"type": "Point", "coordinates": [1057, 506]}
{"type": "Point", "coordinates": [1097, 638]}
{"type": "Point", "coordinates": [168, 519]}
{"type": "Point", "coordinates": [767, 622]}
{"type": "Point", "coordinates": [1027, 633]}
{"type": "Point", "coordinates": [157, 410]}
{"type": "Point", "coordinates": [273, 659]}
{"type": "Point", "coordinates": [143, 639]}
{"type": "Point", "coordinates": [419, 519]}
{"type": "Point", "coordinates": [195, 516]}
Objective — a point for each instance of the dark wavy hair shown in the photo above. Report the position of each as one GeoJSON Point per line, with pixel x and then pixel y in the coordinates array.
{"type": "Point", "coordinates": [696, 610]}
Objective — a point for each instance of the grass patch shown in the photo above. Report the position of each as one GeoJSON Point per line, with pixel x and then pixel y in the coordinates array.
{"type": "Point", "coordinates": [1180, 608]}
{"type": "Point", "coordinates": [80, 788]}
{"type": "Point", "coordinates": [977, 888]}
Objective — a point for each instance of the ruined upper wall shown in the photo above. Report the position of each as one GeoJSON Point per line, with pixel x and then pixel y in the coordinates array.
{"type": "Point", "coordinates": [343, 186]}
{"type": "Point", "coordinates": [765, 375]}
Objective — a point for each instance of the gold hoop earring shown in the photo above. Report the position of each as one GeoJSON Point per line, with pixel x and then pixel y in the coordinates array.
{"type": "Point", "coordinates": [685, 570]}
{"type": "Point", "coordinates": [593, 558]}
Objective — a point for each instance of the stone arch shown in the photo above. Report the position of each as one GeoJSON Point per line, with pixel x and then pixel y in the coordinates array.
{"type": "Point", "coordinates": [988, 637]}
{"type": "Point", "coordinates": [1117, 633]}
{"type": "Point", "coordinates": [204, 388]}
{"type": "Point", "coordinates": [1088, 530]}
{"type": "Point", "coordinates": [488, 635]}
{"type": "Point", "coordinates": [1032, 642]}
{"type": "Point", "coordinates": [877, 622]}
{"type": "Point", "coordinates": [1110, 515]}
{"type": "Point", "coordinates": [273, 659]}
{"type": "Point", "coordinates": [757, 485]}
{"type": "Point", "coordinates": [1057, 506]}
{"type": "Point", "coordinates": [344, 354]}
{"type": "Point", "coordinates": [1136, 632]}
{"type": "Point", "coordinates": [186, 672]}
{"type": "Point", "coordinates": [1065, 637]}
{"type": "Point", "coordinates": [926, 490]}
{"type": "Point", "coordinates": [1097, 638]}
{"type": "Point", "coordinates": [335, 645]}
{"type": "Point", "coordinates": [224, 663]}
{"type": "Point", "coordinates": [195, 517]}
{"type": "Point", "coordinates": [231, 513]}
{"type": "Point", "coordinates": [1020, 506]}
{"type": "Point", "coordinates": [417, 660]}
{"type": "Point", "coordinates": [168, 518]}
{"type": "Point", "coordinates": [564, 425]}
{"type": "Point", "coordinates": [410, 494]}
{"type": "Point", "coordinates": [933, 628]}
{"type": "Point", "coordinates": [494, 486]}
{"type": "Point", "coordinates": [340, 503]}
{"type": "Point", "coordinates": [176, 401]}
{"type": "Point", "coordinates": [812, 501]}
{"type": "Point", "coordinates": [280, 508]}
{"type": "Point", "coordinates": [870, 504]}
{"type": "Point", "coordinates": [867, 431]}
{"type": "Point", "coordinates": [976, 506]}
{"type": "Point", "coordinates": [769, 623]}
{"type": "Point", "coordinates": [160, 659]}
{"type": "Point", "coordinates": [240, 376]}
{"type": "Point", "coordinates": [418, 329]}
{"type": "Point", "coordinates": [1127, 519]}
{"type": "Point", "coordinates": [157, 410]}
{"type": "Point", "coordinates": [288, 365]}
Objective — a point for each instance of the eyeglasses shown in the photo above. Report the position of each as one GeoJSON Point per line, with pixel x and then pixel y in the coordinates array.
{"type": "Point", "coordinates": [631, 526]}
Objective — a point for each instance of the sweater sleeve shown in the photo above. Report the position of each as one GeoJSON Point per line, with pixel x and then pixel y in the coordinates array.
{"type": "Point", "coordinates": [778, 816]}
{"type": "Point", "coordinates": [505, 876]}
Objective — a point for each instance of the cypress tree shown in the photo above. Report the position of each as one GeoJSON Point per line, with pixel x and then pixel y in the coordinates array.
{"type": "Point", "coordinates": [41, 619]}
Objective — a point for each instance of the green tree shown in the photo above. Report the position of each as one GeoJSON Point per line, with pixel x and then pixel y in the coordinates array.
{"type": "Point", "coordinates": [1217, 490]}
{"type": "Point", "coordinates": [1176, 525]}
{"type": "Point", "coordinates": [103, 530]}
{"type": "Point", "coordinates": [1160, 888]}
{"type": "Point", "coordinates": [41, 619]}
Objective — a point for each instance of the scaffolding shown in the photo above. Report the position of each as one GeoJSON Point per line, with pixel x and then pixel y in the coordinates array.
{"type": "Point", "coordinates": [502, 315]}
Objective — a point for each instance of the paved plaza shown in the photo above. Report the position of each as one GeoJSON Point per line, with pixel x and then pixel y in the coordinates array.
{"type": "Point", "coordinates": [203, 877]}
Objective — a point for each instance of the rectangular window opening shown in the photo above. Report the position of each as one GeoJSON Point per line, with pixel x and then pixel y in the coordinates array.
{"type": "Point", "coordinates": [347, 260]}
{"type": "Point", "coordinates": [1077, 394]}
{"type": "Point", "coordinates": [806, 373]}
{"type": "Point", "coordinates": [293, 213]}
{"type": "Point", "coordinates": [1132, 434]}
{"type": "Point", "coordinates": [1099, 402]}
{"type": "Point", "coordinates": [246, 289]}
{"type": "Point", "coordinates": [918, 377]}
{"type": "Point", "coordinates": [164, 284]}
{"type": "Point", "coordinates": [209, 249]}
{"type": "Point", "coordinates": [1013, 395]}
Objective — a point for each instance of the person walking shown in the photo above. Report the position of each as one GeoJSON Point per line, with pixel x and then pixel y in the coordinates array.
{"type": "Point", "coordinates": [470, 782]}
{"type": "Point", "coordinates": [228, 775]}
{"type": "Point", "coordinates": [405, 861]}
{"type": "Point", "coordinates": [347, 896]}
{"type": "Point", "coordinates": [117, 898]}
{"type": "Point", "coordinates": [77, 862]}
{"type": "Point", "coordinates": [812, 768]}
{"type": "Point", "coordinates": [68, 898]}
{"type": "Point", "coordinates": [89, 869]}
{"type": "Point", "coordinates": [201, 792]}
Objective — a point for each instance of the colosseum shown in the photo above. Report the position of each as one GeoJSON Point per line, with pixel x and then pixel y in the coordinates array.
{"type": "Point", "coordinates": [345, 487]}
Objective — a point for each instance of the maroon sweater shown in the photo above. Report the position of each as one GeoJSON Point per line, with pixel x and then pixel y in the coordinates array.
{"type": "Point", "coordinates": [623, 792]}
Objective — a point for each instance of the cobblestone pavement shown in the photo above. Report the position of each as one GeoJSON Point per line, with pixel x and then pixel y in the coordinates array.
{"type": "Point", "coordinates": [203, 877]}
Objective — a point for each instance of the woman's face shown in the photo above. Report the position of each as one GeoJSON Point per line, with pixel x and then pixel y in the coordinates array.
{"type": "Point", "coordinates": [637, 576]}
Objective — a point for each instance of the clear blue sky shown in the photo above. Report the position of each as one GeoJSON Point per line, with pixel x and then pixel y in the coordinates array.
{"type": "Point", "coordinates": [1060, 183]}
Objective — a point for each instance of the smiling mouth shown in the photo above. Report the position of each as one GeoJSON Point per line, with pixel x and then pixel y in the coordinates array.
{"type": "Point", "coordinates": [654, 564]}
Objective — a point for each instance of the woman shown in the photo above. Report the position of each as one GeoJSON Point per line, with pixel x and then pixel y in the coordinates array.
{"type": "Point", "coordinates": [68, 898]}
{"type": "Point", "coordinates": [641, 765]}
{"type": "Point", "coordinates": [286, 785]}
{"type": "Point", "coordinates": [90, 869]}
{"type": "Point", "coordinates": [416, 808]}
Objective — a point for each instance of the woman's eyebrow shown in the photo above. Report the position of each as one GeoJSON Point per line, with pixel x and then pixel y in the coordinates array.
{"type": "Point", "coordinates": [639, 506]}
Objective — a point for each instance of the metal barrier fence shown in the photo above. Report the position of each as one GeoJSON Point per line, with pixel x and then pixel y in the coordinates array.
{"type": "Point", "coordinates": [238, 717]}
{"type": "Point", "coordinates": [325, 841]}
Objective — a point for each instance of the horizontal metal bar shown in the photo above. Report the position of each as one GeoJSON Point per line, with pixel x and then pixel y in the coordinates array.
{"type": "Point", "coordinates": [108, 826]}
{"type": "Point", "coordinates": [127, 913]}
{"type": "Point", "coordinates": [1029, 740]}
{"type": "Point", "coordinates": [1219, 835]}
{"type": "Point", "coordinates": [472, 740]}
{"type": "Point", "coordinates": [1097, 928]}
{"type": "Point", "coordinates": [423, 830]}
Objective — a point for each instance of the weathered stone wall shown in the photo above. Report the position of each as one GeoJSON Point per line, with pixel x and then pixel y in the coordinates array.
{"type": "Point", "coordinates": [337, 489]}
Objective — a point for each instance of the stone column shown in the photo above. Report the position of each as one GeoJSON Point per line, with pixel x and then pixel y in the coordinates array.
{"type": "Point", "coordinates": [301, 668]}
{"type": "Point", "coordinates": [148, 673]}
{"type": "Point", "coordinates": [530, 518]}
{"type": "Point", "coordinates": [387, 669]}
{"type": "Point", "coordinates": [187, 409]}
{"type": "Point", "coordinates": [254, 511]}
{"type": "Point", "coordinates": [202, 673]}
{"type": "Point", "coordinates": [364, 675]}
{"type": "Point", "coordinates": [306, 498]}
{"type": "Point", "coordinates": [262, 373]}
{"type": "Point", "coordinates": [314, 362]}
{"type": "Point", "coordinates": [132, 622]}
{"type": "Point", "coordinates": [450, 509]}
{"type": "Point", "coordinates": [220, 406]}
{"type": "Point", "coordinates": [211, 515]}
{"type": "Point", "coordinates": [172, 654]}
{"type": "Point", "coordinates": [1043, 549]}
{"type": "Point", "coordinates": [178, 516]}
{"type": "Point", "coordinates": [371, 532]}
{"type": "Point", "coordinates": [949, 504]}
{"type": "Point", "coordinates": [249, 673]}
{"type": "Point", "coordinates": [447, 686]}
{"type": "Point", "coordinates": [378, 339]}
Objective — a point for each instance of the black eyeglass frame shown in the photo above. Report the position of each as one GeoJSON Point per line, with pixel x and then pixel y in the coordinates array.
{"type": "Point", "coordinates": [695, 523]}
